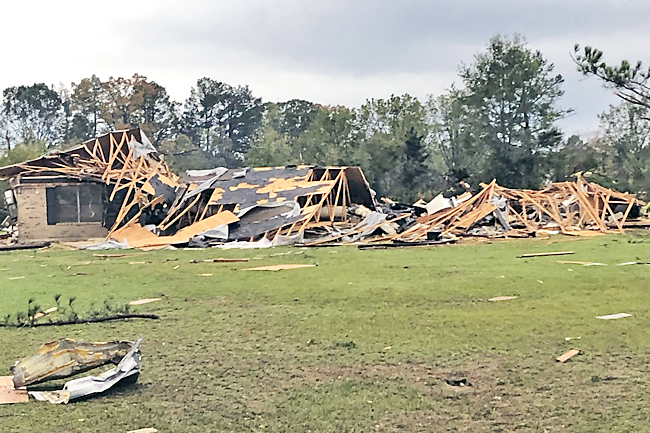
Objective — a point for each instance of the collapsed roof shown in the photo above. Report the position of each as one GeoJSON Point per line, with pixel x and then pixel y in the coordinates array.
{"type": "Point", "coordinates": [223, 204]}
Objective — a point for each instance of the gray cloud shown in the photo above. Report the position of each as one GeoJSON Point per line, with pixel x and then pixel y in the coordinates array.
{"type": "Point", "coordinates": [332, 52]}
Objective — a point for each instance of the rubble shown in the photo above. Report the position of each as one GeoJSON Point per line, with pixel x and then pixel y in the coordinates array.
{"type": "Point", "coordinates": [118, 188]}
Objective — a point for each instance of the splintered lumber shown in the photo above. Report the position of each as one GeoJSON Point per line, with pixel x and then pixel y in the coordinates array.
{"type": "Point", "coordinates": [568, 355]}
{"type": "Point", "coordinates": [279, 267]}
{"type": "Point", "coordinates": [552, 253]}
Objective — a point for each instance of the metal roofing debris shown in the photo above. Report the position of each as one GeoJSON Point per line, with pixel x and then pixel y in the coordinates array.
{"type": "Point", "coordinates": [65, 358]}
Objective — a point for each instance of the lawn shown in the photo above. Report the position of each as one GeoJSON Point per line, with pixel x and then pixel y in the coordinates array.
{"type": "Point", "coordinates": [362, 342]}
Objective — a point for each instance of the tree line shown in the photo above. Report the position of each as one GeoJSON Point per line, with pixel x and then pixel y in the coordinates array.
{"type": "Point", "coordinates": [500, 123]}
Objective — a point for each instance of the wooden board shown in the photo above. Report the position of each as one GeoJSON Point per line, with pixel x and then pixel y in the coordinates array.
{"type": "Point", "coordinates": [553, 253]}
{"type": "Point", "coordinates": [10, 394]}
{"type": "Point", "coordinates": [278, 267]}
{"type": "Point", "coordinates": [568, 355]}
{"type": "Point", "coordinates": [502, 298]}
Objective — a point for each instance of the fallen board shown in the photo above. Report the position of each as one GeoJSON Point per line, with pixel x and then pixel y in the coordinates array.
{"type": "Point", "coordinates": [144, 301]}
{"type": "Point", "coordinates": [278, 267]}
{"type": "Point", "coordinates": [568, 355]}
{"type": "Point", "coordinates": [553, 253]}
{"type": "Point", "coordinates": [502, 298]}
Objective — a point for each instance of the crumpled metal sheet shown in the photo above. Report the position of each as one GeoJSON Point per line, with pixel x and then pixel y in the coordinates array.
{"type": "Point", "coordinates": [128, 368]}
{"type": "Point", "coordinates": [66, 357]}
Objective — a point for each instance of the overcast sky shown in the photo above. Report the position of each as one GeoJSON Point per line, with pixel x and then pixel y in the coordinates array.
{"type": "Point", "coordinates": [328, 51]}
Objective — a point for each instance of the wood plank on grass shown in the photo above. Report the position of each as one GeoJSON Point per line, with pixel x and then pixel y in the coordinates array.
{"type": "Point", "coordinates": [502, 298]}
{"type": "Point", "coordinates": [551, 253]}
{"type": "Point", "coordinates": [568, 355]}
{"type": "Point", "coordinates": [278, 267]}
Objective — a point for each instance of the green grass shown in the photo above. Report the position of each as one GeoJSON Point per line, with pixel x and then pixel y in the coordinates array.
{"type": "Point", "coordinates": [363, 342]}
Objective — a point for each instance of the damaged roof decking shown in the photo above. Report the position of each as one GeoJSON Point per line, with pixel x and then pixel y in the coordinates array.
{"type": "Point", "coordinates": [262, 185]}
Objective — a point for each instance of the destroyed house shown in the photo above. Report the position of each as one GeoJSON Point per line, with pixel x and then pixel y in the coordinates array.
{"type": "Point", "coordinates": [116, 186]}
{"type": "Point", "coordinates": [73, 194]}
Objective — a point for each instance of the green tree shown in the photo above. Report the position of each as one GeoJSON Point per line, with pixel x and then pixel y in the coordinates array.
{"type": "Point", "coordinates": [394, 147]}
{"type": "Point", "coordinates": [86, 102]}
{"type": "Point", "coordinates": [453, 137]}
{"type": "Point", "coordinates": [181, 154]}
{"type": "Point", "coordinates": [513, 94]}
{"type": "Point", "coordinates": [33, 113]}
{"type": "Point", "coordinates": [222, 119]}
{"type": "Point", "coordinates": [328, 140]}
{"type": "Point", "coordinates": [575, 155]}
{"type": "Point", "coordinates": [625, 145]}
{"type": "Point", "coordinates": [630, 81]}
{"type": "Point", "coordinates": [271, 145]}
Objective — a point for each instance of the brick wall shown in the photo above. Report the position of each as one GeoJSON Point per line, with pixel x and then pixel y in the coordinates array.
{"type": "Point", "coordinates": [32, 218]}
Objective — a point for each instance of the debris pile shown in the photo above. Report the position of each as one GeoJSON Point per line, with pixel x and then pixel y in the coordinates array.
{"type": "Point", "coordinates": [571, 208]}
{"type": "Point", "coordinates": [65, 358]}
{"type": "Point", "coordinates": [117, 187]}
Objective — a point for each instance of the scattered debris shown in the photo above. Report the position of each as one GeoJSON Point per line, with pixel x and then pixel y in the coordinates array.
{"type": "Point", "coordinates": [613, 316]}
{"type": "Point", "coordinates": [458, 382]}
{"type": "Point", "coordinates": [571, 262]}
{"type": "Point", "coordinates": [572, 338]}
{"type": "Point", "coordinates": [128, 369]}
{"type": "Point", "coordinates": [144, 301]}
{"type": "Point", "coordinates": [144, 430]}
{"type": "Point", "coordinates": [553, 253]}
{"type": "Point", "coordinates": [279, 267]}
{"type": "Point", "coordinates": [568, 355]}
{"type": "Point", "coordinates": [502, 298]}
{"type": "Point", "coordinates": [628, 263]}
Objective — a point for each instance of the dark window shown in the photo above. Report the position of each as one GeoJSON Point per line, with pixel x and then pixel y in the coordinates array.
{"type": "Point", "coordinates": [74, 204]}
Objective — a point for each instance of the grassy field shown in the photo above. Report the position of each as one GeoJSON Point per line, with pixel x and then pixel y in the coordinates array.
{"type": "Point", "coordinates": [362, 342]}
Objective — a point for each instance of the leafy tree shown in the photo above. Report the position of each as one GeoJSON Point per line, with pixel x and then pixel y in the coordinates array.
{"type": "Point", "coordinates": [181, 154]}
{"type": "Point", "coordinates": [221, 118]}
{"type": "Point", "coordinates": [631, 82]}
{"type": "Point", "coordinates": [394, 149]}
{"type": "Point", "coordinates": [23, 151]}
{"type": "Point", "coordinates": [575, 155]}
{"type": "Point", "coordinates": [33, 113]}
{"type": "Point", "coordinates": [86, 102]}
{"type": "Point", "coordinates": [328, 140]}
{"type": "Point", "coordinates": [625, 145]}
{"type": "Point", "coordinates": [453, 136]}
{"type": "Point", "coordinates": [271, 145]}
{"type": "Point", "coordinates": [512, 93]}
{"type": "Point", "coordinates": [295, 116]}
